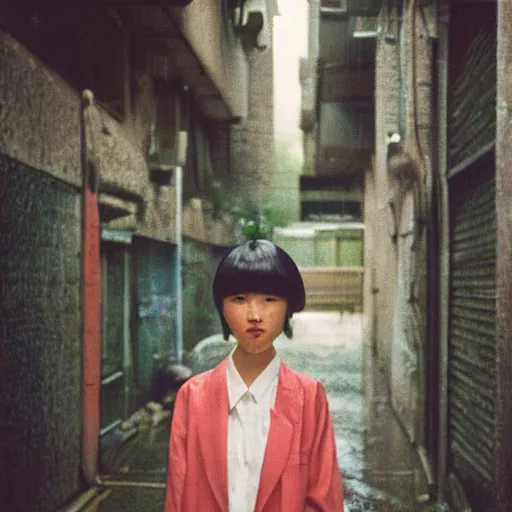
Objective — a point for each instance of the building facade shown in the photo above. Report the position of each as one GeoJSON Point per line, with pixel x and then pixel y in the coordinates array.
{"type": "Point", "coordinates": [117, 122]}
{"type": "Point", "coordinates": [437, 233]}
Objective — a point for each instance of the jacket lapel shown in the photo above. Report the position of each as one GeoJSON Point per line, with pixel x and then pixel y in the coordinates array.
{"type": "Point", "coordinates": [283, 419]}
{"type": "Point", "coordinates": [213, 433]}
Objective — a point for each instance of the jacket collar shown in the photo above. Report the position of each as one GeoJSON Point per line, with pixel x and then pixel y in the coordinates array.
{"type": "Point", "coordinates": [213, 433]}
{"type": "Point", "coordinates": [237, 388]}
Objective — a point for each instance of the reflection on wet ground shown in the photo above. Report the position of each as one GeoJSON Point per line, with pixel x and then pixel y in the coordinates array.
{"type": "Point", "coordinates": [379, 466]}
{"type": "Point", "coordinates": [377, 461]}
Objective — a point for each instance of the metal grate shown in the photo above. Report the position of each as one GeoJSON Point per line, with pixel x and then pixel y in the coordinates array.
{"type": "Point", "coordinates": [472, 345]}
{"type": "Point", "coordinates": [472, 97]}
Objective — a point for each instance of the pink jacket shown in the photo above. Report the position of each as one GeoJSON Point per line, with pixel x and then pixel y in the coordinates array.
{"type": "Point", "coordinates": [300, 470]}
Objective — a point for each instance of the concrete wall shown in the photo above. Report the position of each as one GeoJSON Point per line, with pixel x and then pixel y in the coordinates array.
{"type": "Point", "coordinates": [381, 230]}
{"type": "Point", "coordinates": [504, 267]}
{"type": "Point", "coordinates": [395, 239]}
{"type": "Point", "coordinates": [252, 149]}
{"type": "Point", "coordinates": [33, 96]}
{"type": "Point", "coordinates": [308, 76]}
{"type": "Point", "coordinates": [206, 26]}
{"type": "Point", "coordinates": [27, 94]}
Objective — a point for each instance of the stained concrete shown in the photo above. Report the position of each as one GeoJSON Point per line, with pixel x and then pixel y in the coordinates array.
{"type": "Point", "coordinates": [380, 467]}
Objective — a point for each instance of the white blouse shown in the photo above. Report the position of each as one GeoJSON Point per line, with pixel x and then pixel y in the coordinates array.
{"type": "Point", "coordinates": [248, 426]}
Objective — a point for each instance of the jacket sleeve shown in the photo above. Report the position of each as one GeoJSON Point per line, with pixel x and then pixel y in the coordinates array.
{"type": "Point", "coordinates": [177, 466]}
{"type": "Point", "coordinates": [325, 486]}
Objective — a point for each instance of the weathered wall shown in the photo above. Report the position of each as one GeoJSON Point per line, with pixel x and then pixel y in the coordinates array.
{"type": "Point", "coordinates": [27, 90]}
{"type": "Point", "coordinates": [308, 77]}
{"type": "Point", "coordinates": [396, 237]}
{"type": "Point", "coordinates": [31, 95]}
{"type": "Point", "coordinates": [205, 25]}
{"type": "Point", "coordinates": [40, 320]}
{"type": "Point", "coordinates": [380, 232]}
{"type": "Point", "coordinates": [504, 262]}
{"type": "Point", "coordinates": [200, 318]}
{"type": "Point", "coordinates": [253, 152]}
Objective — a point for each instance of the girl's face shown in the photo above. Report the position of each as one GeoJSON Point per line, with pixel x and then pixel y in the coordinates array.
{"type": "Point", "coordinates": [255, 319]}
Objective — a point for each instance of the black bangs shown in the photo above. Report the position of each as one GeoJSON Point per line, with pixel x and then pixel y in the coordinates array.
{"type": "Point", "coordinates": [259, 266]}
{"type": "Point", "coordinates": [235, 280]}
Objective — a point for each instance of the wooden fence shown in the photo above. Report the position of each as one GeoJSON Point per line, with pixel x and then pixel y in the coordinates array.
{"type": "Point", "coordinates": [333, 287]}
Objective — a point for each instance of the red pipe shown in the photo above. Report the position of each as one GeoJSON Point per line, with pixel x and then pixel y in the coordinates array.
{"type": "Point", "coordinates": [91, 318]}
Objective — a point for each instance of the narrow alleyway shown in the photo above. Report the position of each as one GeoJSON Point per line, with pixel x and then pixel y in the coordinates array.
{"type": "Point", "coordinates": [379, 466]}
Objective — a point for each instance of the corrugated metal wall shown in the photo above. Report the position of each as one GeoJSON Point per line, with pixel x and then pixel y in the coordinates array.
{"type": "Point", "coordinates": [40, 340]}
{"type": "Point", "coordinates": [472, 342]}
{"type": "Point", "coordinates": [472, 315]}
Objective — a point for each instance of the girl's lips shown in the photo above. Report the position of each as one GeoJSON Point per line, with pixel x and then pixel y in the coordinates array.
{"type": "Point", "coordinates": [255, 332]}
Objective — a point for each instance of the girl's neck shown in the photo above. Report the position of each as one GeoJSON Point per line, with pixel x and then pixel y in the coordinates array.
{"type": "Point", "coordinates": [249, 366]}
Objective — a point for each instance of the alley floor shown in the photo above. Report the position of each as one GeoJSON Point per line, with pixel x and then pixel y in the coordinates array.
{"type": "Point", "coordinates": [379, 466]}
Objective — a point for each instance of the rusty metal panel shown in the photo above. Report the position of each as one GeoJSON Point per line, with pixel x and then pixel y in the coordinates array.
{"type": "Point", "coordinates": [472, 335]}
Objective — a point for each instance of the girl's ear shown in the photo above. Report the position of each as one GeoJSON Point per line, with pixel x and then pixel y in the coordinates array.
{"type": "Point", "coordinates": [288, 328]}
{"type": "Point", "coordinates": [226, 331]}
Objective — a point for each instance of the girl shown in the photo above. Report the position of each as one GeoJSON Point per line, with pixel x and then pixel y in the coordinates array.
{"type": "Point", "coordinates": [252, 435]}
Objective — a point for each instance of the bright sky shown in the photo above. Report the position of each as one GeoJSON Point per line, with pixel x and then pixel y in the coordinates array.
{"type": "Point", "coordinates": [290, 43]}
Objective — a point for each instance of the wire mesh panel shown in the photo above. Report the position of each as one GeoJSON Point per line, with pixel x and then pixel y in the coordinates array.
{"type": "Point", "coordinates": [40, 339]}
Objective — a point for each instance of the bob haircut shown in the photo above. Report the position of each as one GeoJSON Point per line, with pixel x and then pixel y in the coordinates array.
{"type": "Point", "coordinates": [259, 266]}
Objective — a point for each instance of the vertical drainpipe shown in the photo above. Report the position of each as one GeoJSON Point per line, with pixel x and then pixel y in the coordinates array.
{"type": "Point", "coordinates": [178, 174]}
{"type": "Point", "coordinates": [444, 263]}
{"type": "Point", "coordinates": [91, 314]}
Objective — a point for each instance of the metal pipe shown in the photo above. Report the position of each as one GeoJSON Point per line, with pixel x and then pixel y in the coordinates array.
{"type": "Point", "coordinates": [82, 501]}
{"type": "Point", "coordinates": [178, 174]}
{"type": "Point", "coordinates": [91, 314]}
{"type": "Point", "coordinates": [103, 482]}
{"type": "Point", "coordinates": [444, 263]}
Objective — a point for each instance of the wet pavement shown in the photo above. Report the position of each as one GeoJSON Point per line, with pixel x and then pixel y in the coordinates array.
{"type": "Point", "coordinates": [379, 466]}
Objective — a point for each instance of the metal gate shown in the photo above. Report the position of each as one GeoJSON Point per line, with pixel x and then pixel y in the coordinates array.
{"type": "Point", "coordinates": [472, 344]}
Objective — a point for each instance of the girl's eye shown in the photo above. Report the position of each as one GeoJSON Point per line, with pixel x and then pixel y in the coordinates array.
{"type": "Point", "coordinates": [270, 299]}
{"type": "Point", "coordinates": [239, 299]}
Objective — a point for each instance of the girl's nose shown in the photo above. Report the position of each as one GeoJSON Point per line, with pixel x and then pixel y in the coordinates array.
{"type": "Point", "coordinates": [253, 312]}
